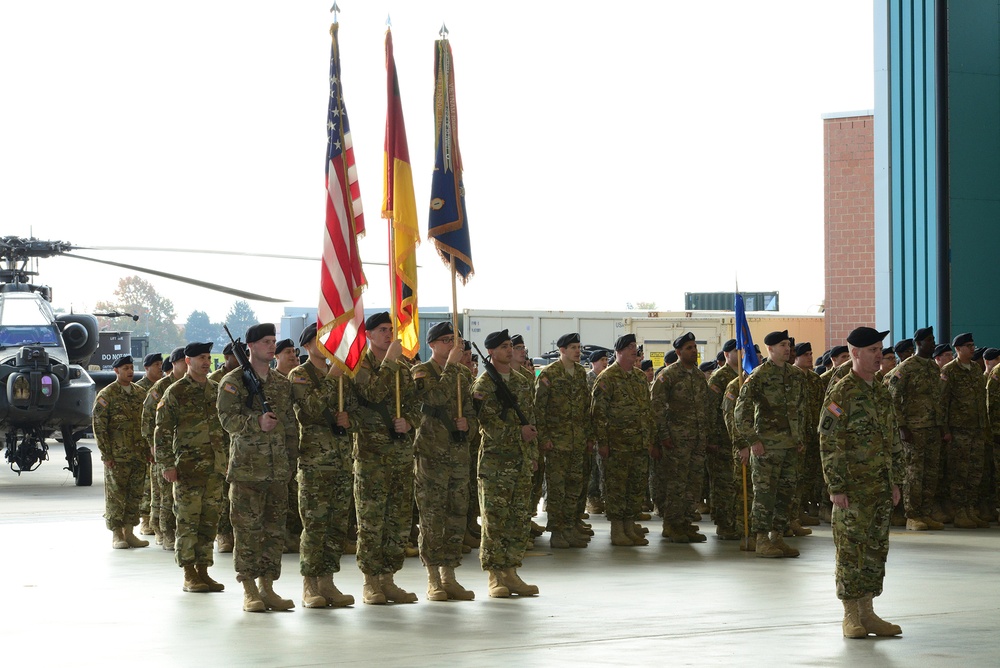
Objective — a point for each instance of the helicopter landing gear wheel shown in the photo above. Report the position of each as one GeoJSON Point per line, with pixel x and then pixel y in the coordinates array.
{"type": "Point", "coordinates": [84, 472]}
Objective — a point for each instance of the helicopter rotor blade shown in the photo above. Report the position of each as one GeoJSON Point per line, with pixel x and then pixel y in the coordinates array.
{"type": "Point", "coordinates": [275, 256]}
{"type": "Point", "coordinates": [183, 279]}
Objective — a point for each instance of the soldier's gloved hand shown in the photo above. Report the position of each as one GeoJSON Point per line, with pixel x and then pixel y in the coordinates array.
{"type": "Point", "coordinates": [394, 351]}
{"type": "Point", "coordinates": [744, 456]}
{"type": "Point", "coordinates": [334, 371]}
{"type": "Point", "coordinates": [455, 355]}
{"type": "Point", "coordinates": [400, 425]}
{"type": "Point", "coordinates": [462, 424]}
{"type": "Point", "coordinates": [268, 421]}
{"type": "Point", "coordinates": [343, 419]}
{"type": "Point", "coordinates": [528, 432]}
{"type": "Point", "coordinates": [170, 475]}
{"type": "Point", "coordinates": [757, 449]}
{"type": "Point", "coordinates": [547, 446]}
{"type": "Point", "coordinates": [840, 500]}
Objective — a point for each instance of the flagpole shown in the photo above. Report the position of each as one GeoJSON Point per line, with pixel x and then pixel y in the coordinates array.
{"type": "Point", "coordinates": [739, 385]}
{"type": "Point", "coordinates": [393, 269]}
{"type": "Point", "coordinates": [454, 328]}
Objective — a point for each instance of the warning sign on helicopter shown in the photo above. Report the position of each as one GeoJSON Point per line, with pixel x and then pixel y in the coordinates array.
{"type": "Point", "coordinates": [112, 346]}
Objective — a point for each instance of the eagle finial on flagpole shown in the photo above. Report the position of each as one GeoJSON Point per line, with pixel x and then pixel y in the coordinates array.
{"type": "Point", "coordinates": [335, 10]}
{"type": "Point", "coordinates": [443, 31]}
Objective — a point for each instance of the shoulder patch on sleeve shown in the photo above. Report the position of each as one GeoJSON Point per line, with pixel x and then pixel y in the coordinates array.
{"type": "Point", "coordinates": [159, 405]}
{"type": "Point", "coordinates": [730, 396]}
{"type": "Point", "coordinates": [478, 396]}
{"type": "Point", "coordinates": [300, 380]}
{"type": "Point", "coordinates": [420, 373]}
{"type": "Point", "coordinates": [230, 388]}
{"type": "Point", "coordinates": [944, 377]}
{"type": "Point", "coordinates": [102, 401]}
{"type": "Point", "coordinates": [156, 395]}
{"type": "Point", "coordinates": [544, 381]}
{"type": "Point", "coordinates": [661, 378]}
{"type": "Point", "coordinates": [715, 388]}
{"type": "Point", "coordinates": [835, 409]}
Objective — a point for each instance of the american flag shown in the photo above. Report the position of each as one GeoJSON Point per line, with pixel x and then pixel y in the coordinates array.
{"type": "Point", "coordinates": [341, 319]}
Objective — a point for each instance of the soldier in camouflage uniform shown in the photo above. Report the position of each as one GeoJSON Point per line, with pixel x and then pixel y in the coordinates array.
{"type": "Point", "coordinates": [809, 477]}
{"type": "Point", "coordinates": [565, 433]}
{"type": "Point", "coordinates": [840, 366]}
{"type": "Point", "coordinates": [262, 445]}
{"type": "Point", "coordinates": [224, 536]}
{"type": "Point", "coordinates": [117, 412]}
{"type": "Point", "coordinates": [593, 467]}
{"type": "Point", "coordinates": [770, 416]}
{"type": "Point", "coordinates": [162, 500]}
{"type": "Point", "coordinates": [862, 466]}
{"type": "Point", "coordinates": [507, 456]}
{"type": "Point", "coordinates": [153, 366]}
{"type": "Point", "coordinates": [740, 462]}
{"type": "Point", "coordinates": [724, 490]}
{"type": "Point", "coordinates": [519, 364]}
{"type": "Point", "coordinates": [192, 453]}
{"type": "Point", "coordinates": [915, 386]}
{"type": "Point", "coordinates": [441, 467]}
{"type": "Point", "coordinates": [286, 358]}
{"type": "Point", "coordinates": [383, 463]}
{"type": "Point", "coordinates": [624, 427]}
{"type": "Point", "coordinates": [990, 495]}
{"type": "Point", "coordinates": [967, 430]}
{"type": "Point", "coordinates": [680, 403]}
{"type": "Point", "coordinates": [472, 529]}
{"type": "Point", "coordinates": [325, 472]}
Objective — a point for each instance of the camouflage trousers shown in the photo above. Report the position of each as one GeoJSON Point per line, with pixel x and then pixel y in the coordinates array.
{"type": "Point", "coordinates": [473, 515]}
{"type": "Point", "coordinates": [723, 491]}
{"type": "Point", "coordinates": [258, 511]}
{"type": "Point", "coordinates": [805, 486]}
{"type": "Point", "coordinates": [774, 476]}
{"type": "Point", "coordinates": [585, 482]}
{"type": "Point", "coordinates": [123, 493]}
{"type": "Point", "coordinates": [441, 487]}
{"type": "Point", "coordinates": [504, 500]}
{"type": "Point", "coordinates": [741, 475]}
{"type": "Point", "coordinates": [922, 454]}
{"type": "Point", "coordinates": [681, 471]}
{"type": "Point", "coordinates": [625, 481]}
{"type": "Point", "coordinates": [293, 523]}
{"type": "Point", "coordinates": [324, 506]}
{"type": "Point", "coordinates": [965, 465]}
{"type": "Point", "coordinates": [225, 523]}
{"type": "Point", "coordinates": [595, 487]}
{"type": "Point", "coordinates": [538, 486]}
{"type": "Point", "coordinates": [383, 495]}
{"type": "Point", "coordinates": [164, 495]}
{"type": "Point", "coordinates": [563, 481]}
{"type": "Point", "coordinates": [861, 539]}
{"type": "Point", "coordinates": [144, 505]}
{"type": "Point", "coordinates": [196, 507]}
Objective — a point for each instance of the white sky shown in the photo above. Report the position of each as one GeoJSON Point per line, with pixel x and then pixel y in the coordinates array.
{"type": "Point", "coordinates": [614, 152]}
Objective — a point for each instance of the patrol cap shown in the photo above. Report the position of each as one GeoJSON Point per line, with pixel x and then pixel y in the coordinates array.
{"type": "Point", "coordinates": [978, 354]}
{"type": "Point", "coordinates": [991, 354]}
{"type": "Point", "coordinates": [307, 335]}
{"type": "Point", "coordinates": [904, 345]}
{"type": "Point", "coordinates": [888, 350]}
{"type": "Point", "coordinates": [865, 336]}
{"type": "Point", "coordinates": [259, 331]}
{"type": "Point", "coordinates": [124, 359]}
{"type": "Point", "coordinates": [962, 339]}
{"type": "Point", "coordinates": [598, 355]}
{"type": "Point", "coordinates": [151, 359]}
{"type": "Point", "coordinates": [439, 330]}
{"type": "Point", "coordinates": [176, 354]}
{"type": "Point", "coordinates": [729, 346]}
{"type": "Point", "coordinates": [195, 349]}
{"type": "Point", "coordinates": [624, 341]}
{"type": "Point", "coordinates": [646, 365]}
{"type": "Point", "coordinates": [941, 349]}
{"type": "Point", "coordinates": [836, 351]}
{"type": "Point", "coordinates": [567, 339]}
{"type": "Point", "coordinates": [774, 338]}
{"type": "Point", "coordinates": [378, 319]}
{"type": "Point", "coordinates": [670, 357]}
{"type": "Point", "coordinates": [282, 344]}
{"type": "Point", "coordinates": [517, 340]}
{"type": "Point", "coordinates": [803, 348]}
{"type": "Point", "coordinates": [922, 333]}
{"type": "Point", "coordinates": [495, 339]}
{"type": "Point", "coordinates": [710, 365]}
{"type": "Point", "coordinates": [682, 339]}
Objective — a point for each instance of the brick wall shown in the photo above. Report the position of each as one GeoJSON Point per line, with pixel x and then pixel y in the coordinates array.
{"type": "Point", "coordinates": [849, 224]}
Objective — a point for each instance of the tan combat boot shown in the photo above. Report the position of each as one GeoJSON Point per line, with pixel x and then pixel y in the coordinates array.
{"type": "Point", "coordinates": [693, 534]}
{"type": "Point", "coordinates": [212, 584]}
{"type": "Point", "coordinates": [963, 521]}
{"type": "Point", "coordinates": [144, 528]}
{"type": "Point", "coordinates": [916, 524]}
{"type": "Point", "coordinates": [805, 519]}
{"type": "Point", "coordinates": [435, 590]}
{"type": "Point", "coordinates": [132, 539]}
{"type": "Point", "coordinates": [451, 586]}
{"type": "Point", "coordinates": [251, 598]}
{"type": "Point", "coordinates": [632, 535]}
{"type": "Point", "coordinates": [618, 536]}
{"type": "Point", "coordinates": [853, 628]}
{"type": "Point", "coordinates": [778, 542]}
{"type": "Point", "coordinates": [351, 547]}
{"type": "Point", "coordinates": [334, 597]}
{"type": "Point", "coordinates": [594, 505]}
{"type": "Point", "coordinates": [798, 529]}
{"type": "Point", "coordinates": [765, 549]}
{"type": "Point", "coordinates": [192, 582]}
{"type": "Point", "coordinates": [576, 539]}
{"type": "Point", "coordinates": [470, 540]}
{"type": "Point", "coordinates": [679, 534]}
{"type": "Point", "coordinates": [516, 585]}
{"type": "Point", "coordinates": [974, 515]}
{"type": "Point", "coordinates": [371, 593]}
{"type": "Point", "coordinates": [932, 523]}
{"type": "Point", "coordinates": [394, 593]}
{"type": "Point", "coordinates": [272, 600]}
{"type": "Point", "coordinates": [118, 541]}
{"type": "Point", "coordinates": [748, 543]}
{"type": "Point", "coordinates": [872, 622]}
{"type": "Point", "coordinates": [225, 543]}
{"type": "Point", "coordinates": [557, 541]}
{"type": "Point", "coordinates": [311, 598]}
{"type": "Point", "coordinates": [496, 587]}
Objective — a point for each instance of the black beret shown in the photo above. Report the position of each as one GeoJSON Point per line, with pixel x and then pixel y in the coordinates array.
{"type": "Point", "coordinates": [228, 350]}
{"type": "Point", "coordinates": [670, 357]}
{"type": "Point", "coordinates": [837, 351]}
{"type": "Point", "coordinates": [308, 334]}
{"type": "Point", "coordinates": [978, 354]}
{"type": "Point", "coordinates": [682, 339]}
{"type": "Point", "coordinates": [259, 331]}
{"type": "Point", "coordinates": [623, 341]}
{"type": "Point", "coordinates": [904, 345]}
{"type": "Point", "coordinates": [729, 346]}
{"type": "Point", "coordinates": [282, 344]}
{"type": "Point", "coordinates": [756, 348]}
{"type": "Point", "coordinates": [195, 349]}
{"type": "Point", "coordinates": [467, 344]}
{"type": "Point", "coordinates": [598, 355]}
{"type": "Point", "coordinates": [820, 369]}
{"type": "Point", "coordinates": [176, 354]}
{"type": "Point", "coordinates": [774, 338]}
{"type": "Point", "coordinates": [862, 337]}
{"type": "Point", "coordinates": [438, 330]}
{"type": "Point", "coordinates": [720, 359]}
{"type": "Point", "coordinates": [991, 354]}
{"type": "Point", "coordinates": [923, 333]}
{"type": "Point", "coordinates": [124, 359]}
{"type": "Point", "coordinates": [710, 365]}
{"type": "Point", "coordinates": [941, 349]}
{"type": "Point", "coordinates": [646, 365]}
{"type": "Point", "coordinates": [962, 339]}
{"type": "Point", "coordinates": [378, 319]}
{"type": "Point", "coordinates": [567, 339]}
{"type": "Point", "coordinates": [889, 350]}
{"type": "Point", "coordinates": [151, 359]}
{"type": "Point", "coordinates": [826, 359]}
{"type": "Point", "coordinates": [791, 342]}
{"type": "Point", "coordinates": [803, 348]}
{"type": "Point", "coordinates": [495, 339]}
{"type": "Point", "coordinates": [517, 340]}
{"type": "Point", "coordinates": [167, 365]}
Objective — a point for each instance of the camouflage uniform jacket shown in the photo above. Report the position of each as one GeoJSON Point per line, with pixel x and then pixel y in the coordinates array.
{"type": "Point", "coordinates": [717, 383]}
{"type": "Point", "coordinates": [859, 439]}
{"type": "Point", "coordinates": [562, 407]}
{"type": "Point", "coordinates": [502, 445]}
{"type": "Point", "coordinates": [772, 408]}
{"type": "Point", "coordinates": [964, 397]}
{"type": "Point", "coordinates": [316, 402]}
{"type": "Point", "coordinates": [145, 383]}
{"type": "Point", "coordinates": [256, 455]}
{"type": "Point", "coordinates": [149, 404]}
{"type": "Point", "coordinates": [815, 391]}
{"type": "Point", "coordinates": [680, 404]}
{"type": "Point", "coordinates": [915, 386]}
{"type": "Point", "coordinates": [375, 390]}
{"type": "Point", "coordinates": [729, 411]}
{"type": "Point", "coordinates": [621, 409]}
{"type": "Point", "coordinates": [436, 390]}
{"type": "Point", "coordinates": [117, 416]}
{"type": "Point", "coordinates": [189, 436]}
{"type": "Point", "coordinates": [831, 377]}
{"type": "Point", "coordinates": [993, 399]}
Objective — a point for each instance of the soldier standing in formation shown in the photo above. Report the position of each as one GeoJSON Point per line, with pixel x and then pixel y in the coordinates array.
{"type": "Point", "coordinates": [724, 490]}
{"type": "Point", "coordinates": [164, 521]}
{"type": "Point", "coordinates": [594, 466]}
{"type": "Point", "coordinates": [862, 466]}
{"type": "Point", "coordinates": [225, 533]}
{"type": "Point", "coordinates": [191, 451]}
{"type": "Point", "coordinates": [262, 445]}
{"type": "Point", "coordinates": [153, 366]}
{"type": "Point", "coordinates": [286, 358]}
{"type": "Point", "coordinates": [809, 490]}
{"type": "Point", "coordinates": [125, 454]}
{"type": "Point", "coordinates": [325, 472]}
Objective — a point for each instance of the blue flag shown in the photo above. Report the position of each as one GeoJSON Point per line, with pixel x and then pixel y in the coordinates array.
{"type": "Point", "coordinates": [743, 339]}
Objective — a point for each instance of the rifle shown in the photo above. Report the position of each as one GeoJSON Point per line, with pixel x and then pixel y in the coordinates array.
{"type": "Point", "coordinates": [504, 395]}
{"type": "Point", "coordinates": [250, 378]}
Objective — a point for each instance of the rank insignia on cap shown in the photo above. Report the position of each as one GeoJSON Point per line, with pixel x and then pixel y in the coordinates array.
{"type": "Point", "coordinates": [102, 401]}
{"type": "Point", "coordinates": [230, 388]}
{"type": "Point", "coordinates": [835, 409]}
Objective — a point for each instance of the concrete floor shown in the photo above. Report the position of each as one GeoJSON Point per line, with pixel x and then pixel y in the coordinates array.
{"type": "Point", "coordinates": [69, 598]}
